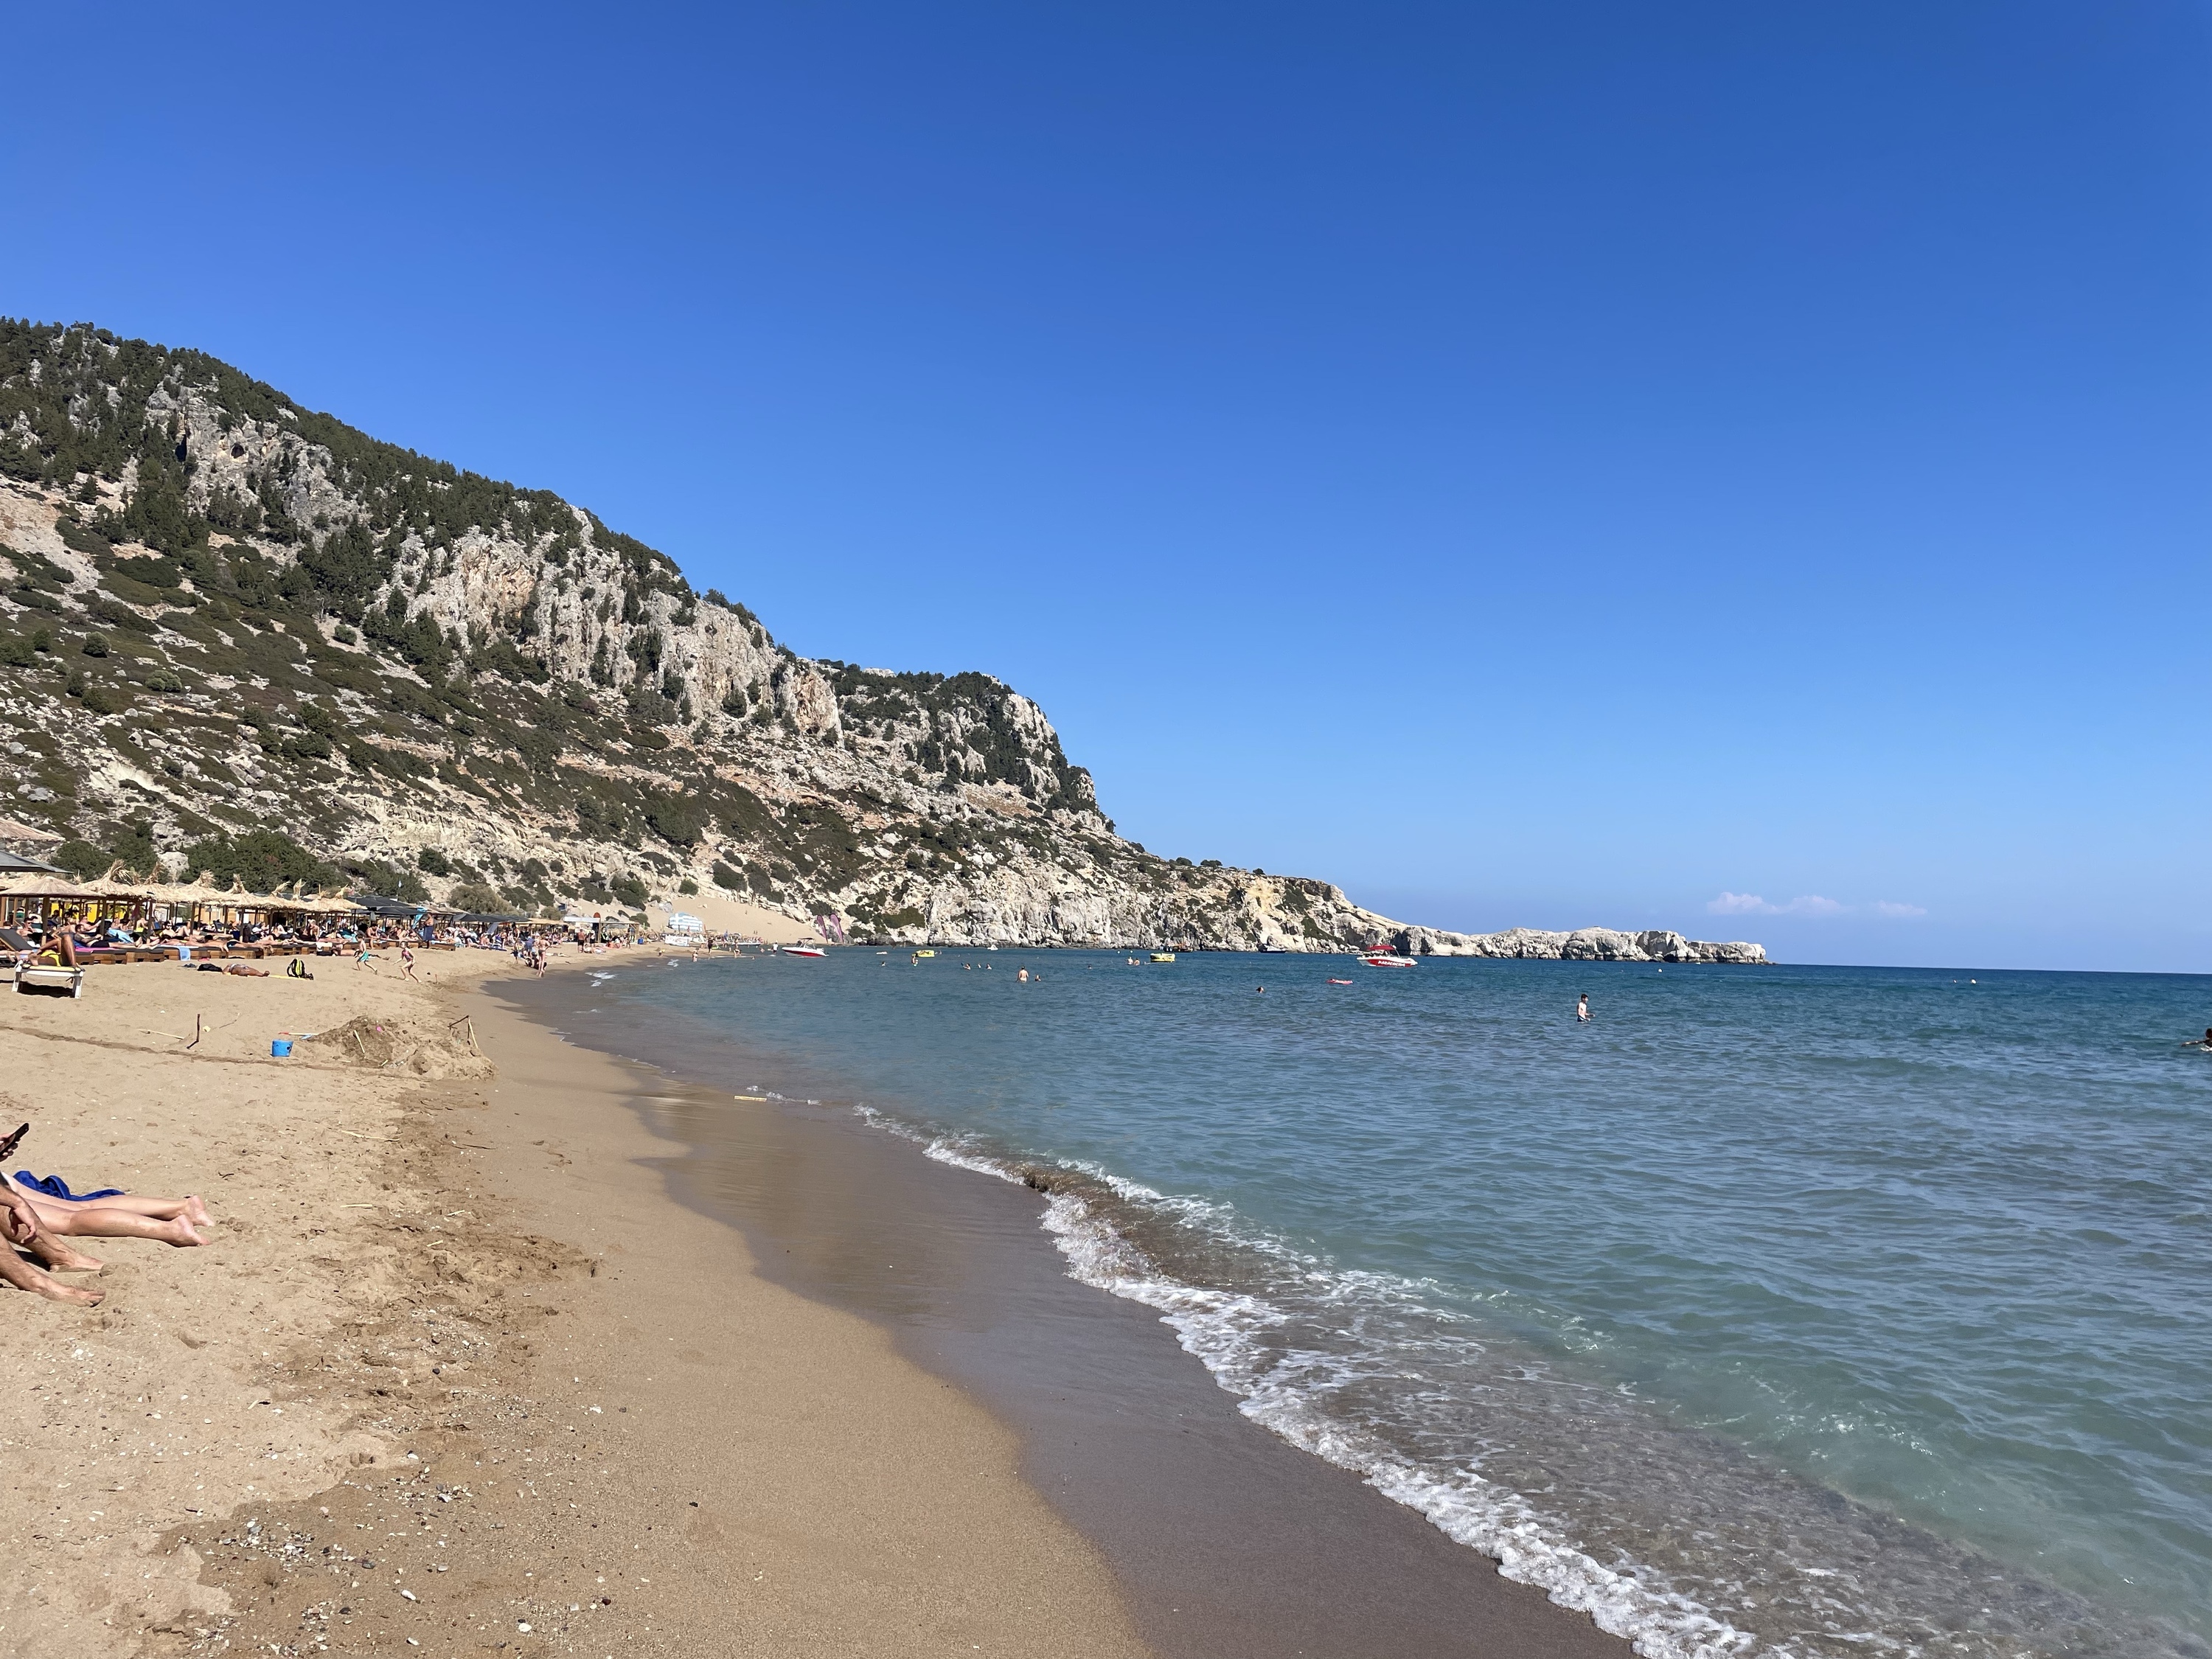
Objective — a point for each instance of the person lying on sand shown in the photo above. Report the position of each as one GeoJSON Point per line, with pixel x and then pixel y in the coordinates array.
{"type": "Point", "coordinates": [114, 1215]}
{"type": "Point", "coordinates": [106, 1219]}
{"type": "Point", "coordinates": [20, 1228]}
{"type": "Point", "coordinates": [108, 1214]}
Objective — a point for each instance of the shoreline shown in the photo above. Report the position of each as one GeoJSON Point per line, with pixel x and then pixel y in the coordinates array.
{"type": "Point", "coordinates": [482, 1355]}
{"type": "Point", "coordinates": [1228, 1541]}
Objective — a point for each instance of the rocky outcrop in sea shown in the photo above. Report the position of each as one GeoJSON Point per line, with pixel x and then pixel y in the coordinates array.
{"type": "Point", "coordinates": [1581, 945]}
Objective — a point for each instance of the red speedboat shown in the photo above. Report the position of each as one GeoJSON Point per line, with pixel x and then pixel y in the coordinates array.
{"type": "Point", "coordinates": [803, 950]}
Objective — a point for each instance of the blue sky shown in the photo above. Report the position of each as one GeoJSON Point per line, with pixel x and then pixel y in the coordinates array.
{"type": "Point", "coordinates": [1543, 465]}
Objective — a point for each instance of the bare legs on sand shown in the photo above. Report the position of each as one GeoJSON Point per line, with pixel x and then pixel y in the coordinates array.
{"type": "Point", "coordinates": [100, 1221]}
{"type": "Point", "coordinates": [19, 1228]}
{"type": "Point", "coordinates": [160, 1209]}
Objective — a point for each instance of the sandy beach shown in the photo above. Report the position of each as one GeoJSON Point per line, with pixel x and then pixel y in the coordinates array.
{"type": "Point", "coordinates": [485, 1358]}
{"type": "Point", "coordinates": [455, 1370]}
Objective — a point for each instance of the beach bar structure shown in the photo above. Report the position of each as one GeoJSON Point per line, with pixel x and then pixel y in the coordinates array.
{"type": "Point", "coordinates": [29, 898]}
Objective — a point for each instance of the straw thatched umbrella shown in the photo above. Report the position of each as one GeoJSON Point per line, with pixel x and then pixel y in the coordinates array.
{"type": "Point", "coordinates": [23, 898]}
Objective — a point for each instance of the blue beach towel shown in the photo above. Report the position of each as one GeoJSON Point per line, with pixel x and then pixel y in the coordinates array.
{"type": "Point", "coordinates": [55, 1187]}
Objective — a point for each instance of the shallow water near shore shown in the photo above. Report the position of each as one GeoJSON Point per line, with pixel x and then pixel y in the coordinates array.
{"type": "Point", "coordinates": [1815, 1310]}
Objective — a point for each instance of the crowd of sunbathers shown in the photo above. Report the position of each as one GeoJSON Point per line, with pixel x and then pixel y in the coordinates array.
{"type": "Point", "coordinates": [38, 1216]}
{"type": "Point", "coordinates": [66, 945]}
{"type": "Point", "coordinates": [89, 934]}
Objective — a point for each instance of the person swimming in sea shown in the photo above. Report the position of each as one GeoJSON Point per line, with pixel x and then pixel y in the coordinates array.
{"type": "Point", "coordinates": [2204, 1043]}
{"type": "Point", "coordinates": [1581, 1008]}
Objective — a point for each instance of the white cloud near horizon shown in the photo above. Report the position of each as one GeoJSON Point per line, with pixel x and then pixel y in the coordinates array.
{"type": "Point", "coordinates": [1738, 904]}
{"type": "Point", "coordinates": [1805, 904]}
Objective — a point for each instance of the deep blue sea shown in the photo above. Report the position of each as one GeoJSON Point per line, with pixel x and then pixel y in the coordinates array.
{"type": "Point", "coordinates": [1810, 1310]}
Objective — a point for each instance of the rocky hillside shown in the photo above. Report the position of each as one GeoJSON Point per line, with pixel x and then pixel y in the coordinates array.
{"type": "Point", "coordinates": [240, 636]}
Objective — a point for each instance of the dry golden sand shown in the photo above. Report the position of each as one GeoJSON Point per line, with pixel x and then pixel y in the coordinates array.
{"type": "Point", "coordinates": [458, 1377]}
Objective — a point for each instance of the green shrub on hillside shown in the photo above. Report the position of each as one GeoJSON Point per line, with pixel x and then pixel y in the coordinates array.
{"type": "Point", "coordinates": [82, 859]}
{"type": "Point", "coordinates": [476, 896]}
{"type": "Point", "coordinates": [261, 858]}
{"type": "Point", "coordinates": [678, 822]}
{"type": "Point", "coordinates": [387, 881]}
{"type": "Point", "coordinates": [155, 572]}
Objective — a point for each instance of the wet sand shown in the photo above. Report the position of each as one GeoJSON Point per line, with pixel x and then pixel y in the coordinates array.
{"type": "Point", "coordinates": [1226, 1542]}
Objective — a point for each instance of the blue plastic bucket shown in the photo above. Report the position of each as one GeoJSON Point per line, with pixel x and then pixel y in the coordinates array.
{"type": "Point", "coordinates": [280, 1048]}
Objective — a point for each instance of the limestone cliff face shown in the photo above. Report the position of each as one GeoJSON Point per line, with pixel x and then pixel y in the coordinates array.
{"type": "Point", "coordinates": [229, 615]}
{"type": "Point", "coordinates": [552, 580]}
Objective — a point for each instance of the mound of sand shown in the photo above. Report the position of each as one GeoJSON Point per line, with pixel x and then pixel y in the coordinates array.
{"type": "Point", "coordinates": [420, 1047]}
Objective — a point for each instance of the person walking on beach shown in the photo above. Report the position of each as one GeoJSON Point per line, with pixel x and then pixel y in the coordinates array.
{"type": "Point", "coordinates": [407, 958]}
{"type": "Point", "coordinates": [1581, 1008]}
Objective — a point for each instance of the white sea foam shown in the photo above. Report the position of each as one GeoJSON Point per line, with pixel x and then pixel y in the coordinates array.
{"type": "Point", "coordinates": [1284, 1390]}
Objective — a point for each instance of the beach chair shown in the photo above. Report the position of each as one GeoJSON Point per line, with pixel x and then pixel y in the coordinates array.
{"type": "Point", "coordinates": [49, 978]}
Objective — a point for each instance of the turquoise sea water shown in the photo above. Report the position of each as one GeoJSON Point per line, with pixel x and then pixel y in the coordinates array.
{"type": "Point", "coordinates": [1817, 1310]}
